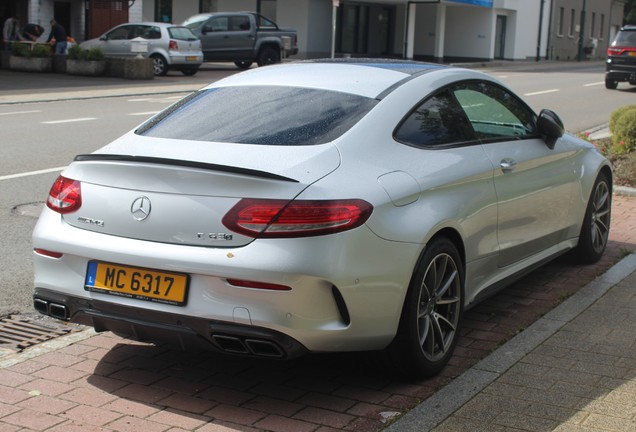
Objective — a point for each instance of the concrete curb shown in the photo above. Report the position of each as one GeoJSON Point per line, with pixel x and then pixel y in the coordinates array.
{"type": "Point", "coordinates": [434, 410]}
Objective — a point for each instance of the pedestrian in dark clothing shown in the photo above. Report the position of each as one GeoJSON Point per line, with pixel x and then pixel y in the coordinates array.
{"type": "Point", "coordinates": [59, 34]}
{"type": "Point", "coordinates": [32, 32]}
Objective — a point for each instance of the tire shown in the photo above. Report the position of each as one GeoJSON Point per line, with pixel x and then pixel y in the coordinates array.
{"type": "Point", "coordinates": [159, 65]}
{"type": "Point", "coordinates": [243, 64]}
{"type": "Point", "coordinates": [431, 315]}
{"type": "Point", "coordinates": [596, 225]}
{"type": "Point", "coordinates": [268, 55]}
{"type": "Point", "coordinates": [611, 84]}
{"type": "Point", "coordinates": [189, 72]}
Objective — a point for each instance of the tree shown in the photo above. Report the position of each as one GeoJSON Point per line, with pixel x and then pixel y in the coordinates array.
{"type": "Point", "coordinates": [629, 12]}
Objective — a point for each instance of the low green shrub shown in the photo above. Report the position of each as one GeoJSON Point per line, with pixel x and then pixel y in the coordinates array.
{"type": "Point", "coordinates": [616, 114]}
{"type": "Point", "coordinates": [40, 50]}
{"type": "Point", "coordinates": [624, 132]}
{"type": "Point", "coordinates": [77, 53]}
{"type": "Point", "coordinates": [23, 50]}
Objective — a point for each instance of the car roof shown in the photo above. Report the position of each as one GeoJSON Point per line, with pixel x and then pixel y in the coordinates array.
{"type": "Point", "coordinates": [364, 77]}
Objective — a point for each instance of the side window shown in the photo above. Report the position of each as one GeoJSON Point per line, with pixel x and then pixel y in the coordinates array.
{"type": "Point", "coordinates": [494, 113]}
{"type": "Point", "coordinates": [120, 33]}
{"type": "Point", "coordinates": [265, 23]}
{"type": "Point", "coordinates": [216, 24]}
{"type": "Point", "coordinates": [439, 120]}
{"type": "Point", "coordinates": [239, 23]}
{"type": "Point", "coordinates": [148, 32]}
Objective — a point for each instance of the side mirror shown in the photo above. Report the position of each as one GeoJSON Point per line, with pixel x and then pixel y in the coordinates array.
{"type": "Point", "coordinates": [550, 125]}
{"type": "Point", "coordinates": [206, 30]}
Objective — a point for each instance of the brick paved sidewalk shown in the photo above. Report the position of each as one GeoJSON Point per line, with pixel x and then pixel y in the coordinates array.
{"type": "Point", "coordinates": [583, 378]}
{"type": "Point", "coordinates": [88, 382]}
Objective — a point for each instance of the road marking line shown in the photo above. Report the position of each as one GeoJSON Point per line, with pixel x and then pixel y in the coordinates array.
{"type": "Point", "coordinates": [594, 84]}
{"type": "Point", "coordinates": [144, 113]}
{"type": "Point", "coordinates": [69, 120]}
{"type": "Point", "coordinates": [19, 112]}
{"type": "Point", "coordinates": [541, 92]}
{"type": "Point", "coordinates": [139, 100]}
{"type": "Point", "coordinates": [31, 173]}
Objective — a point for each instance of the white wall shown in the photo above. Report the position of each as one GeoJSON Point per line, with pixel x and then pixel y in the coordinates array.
{"type": "Point", "coordinates": [236, 5]}
{"type": "Point", "coordinates": [469, 32]}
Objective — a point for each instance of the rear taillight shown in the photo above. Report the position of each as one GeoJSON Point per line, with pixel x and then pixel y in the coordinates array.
{"type": "Point", "coordinates": [618, 50]}
{"type": "Point", "coordinates": [173, 45]}
{"type": "Point", "coordinates": [65, 195]}
{"type": "Point", "coordinates": [260, 218]}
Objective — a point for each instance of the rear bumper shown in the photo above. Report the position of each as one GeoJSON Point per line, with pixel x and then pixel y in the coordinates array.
{"type": "Point", "coordinates": [620, 72]}
{"type": "Point", "coordinates": [185, 331]}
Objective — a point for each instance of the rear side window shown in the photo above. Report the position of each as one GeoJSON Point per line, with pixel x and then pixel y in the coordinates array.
{"type": "Point", "coordinates": [437, 121]}
{"type": "Point", "coordinates": [267, 115]}
{"type": "Point", "coordinates": [181, 33]}
{"type": "Point", "coordinates": [625, 38]}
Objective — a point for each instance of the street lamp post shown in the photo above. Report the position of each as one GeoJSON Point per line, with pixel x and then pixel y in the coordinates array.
{"type": "Point", "coordinates": [582, 33]}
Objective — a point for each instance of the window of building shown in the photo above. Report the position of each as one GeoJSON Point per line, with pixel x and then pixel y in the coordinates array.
{"type": "Point", "coordinates": [163, 10]}
{"type": "Point", "coordinates": [560, 21]}
{"type": "Point", "coordinates": [208, 6]}
{"type": "Point", "coordinates": [601, 30]}
{"type": "Point", "coordinates": [572, 23]}
{"type": "Point", "coordinates": [593, 25]}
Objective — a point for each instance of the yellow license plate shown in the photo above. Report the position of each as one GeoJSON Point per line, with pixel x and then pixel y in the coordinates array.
{"type": "Point", "coordinates": [192, 58]}
{"type": "Point", "coordinates": [137, 283]}
{"type": "Point", "coordinates": [632, 53]}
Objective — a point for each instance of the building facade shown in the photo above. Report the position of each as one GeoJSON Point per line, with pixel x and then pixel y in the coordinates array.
{"type": "Point", "coordinates": [432, 30]}
{"type": "Point", "coordinates": [577, 32]}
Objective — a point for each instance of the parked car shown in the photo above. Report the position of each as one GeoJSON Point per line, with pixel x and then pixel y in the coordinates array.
{"type": "Point", "coordinates": [242, 38]}
{"type": "Point", "coordinates": [319, 206]}
{"type": "Point", "coordinates": [171, 47]}
{"type": "Point", "coordinates": [621, 58]}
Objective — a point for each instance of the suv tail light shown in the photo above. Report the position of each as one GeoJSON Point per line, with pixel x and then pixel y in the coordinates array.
{"type": "Point", "coordinates": [173, 45]}
{"type": "Point", "coordinates": [619, 50]}
{"type": "Point", "coordinates": [263, 218]}
{"type": "Point", "coordinates": [65, 195]}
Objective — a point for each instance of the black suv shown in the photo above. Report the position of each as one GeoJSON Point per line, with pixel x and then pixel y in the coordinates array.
{"type": "Point", "coordinates": [621, 58]}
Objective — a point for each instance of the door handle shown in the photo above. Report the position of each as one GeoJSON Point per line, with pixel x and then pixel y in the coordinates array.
{"type": "Point", "coordinates": [507, 164]}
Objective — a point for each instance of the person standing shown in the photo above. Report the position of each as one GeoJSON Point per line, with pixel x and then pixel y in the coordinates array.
{"type": "Point", "coordinates": [59, 34]}
{"type": "Point", "coordinates": [11, 31]}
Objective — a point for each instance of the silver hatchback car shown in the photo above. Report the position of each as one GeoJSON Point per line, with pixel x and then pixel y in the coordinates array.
{"type": "Point", "coordinates": [354, 205]}
{"type": "Point", "coordinates": [169, 46]}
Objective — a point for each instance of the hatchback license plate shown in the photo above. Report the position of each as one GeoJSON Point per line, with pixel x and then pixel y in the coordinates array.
{"type": "Point", "coordinates": [191, 58]}
{"type": "Point", "coordinates": [137, 283]}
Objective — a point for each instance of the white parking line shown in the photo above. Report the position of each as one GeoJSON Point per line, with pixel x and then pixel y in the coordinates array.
{"type": "Point", "coordinates": [31, 173]}
{"type": "Point", "coordinates": [144, 113]}
{"type": "Point", "coordinates": [70, 120]}
{"type": "Point", "coordinates": [594, 84]}
{"type": "Point", "coordinates": [20, 112]}
{"type": "Point", "coordinates": [541, 92]}
{"type": "Point", "coordinates": [139, 100]}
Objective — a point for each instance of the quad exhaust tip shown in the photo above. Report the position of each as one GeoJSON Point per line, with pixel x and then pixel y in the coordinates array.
{"type": "Point", "coordinates": [51, 309]}
{"type": "Point", "coordinates": [257, 347]}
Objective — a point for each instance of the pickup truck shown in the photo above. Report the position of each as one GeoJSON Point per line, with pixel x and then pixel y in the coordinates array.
{"type": "Point", "coordinates": [242, 37]}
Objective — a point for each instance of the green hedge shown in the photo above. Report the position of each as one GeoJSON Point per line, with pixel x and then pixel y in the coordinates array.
{"type": "Point", "coordinates": [623, 127]}
{"type": "Point", "coordinates": [77, 53]}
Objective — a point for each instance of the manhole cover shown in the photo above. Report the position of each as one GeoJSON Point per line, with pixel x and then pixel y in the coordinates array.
{"type": "Point", "coordinates": [20, 332]}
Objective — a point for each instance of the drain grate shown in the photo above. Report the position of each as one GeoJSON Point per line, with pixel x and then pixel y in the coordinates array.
{"type": "Point", "coordinates": [19, 332]}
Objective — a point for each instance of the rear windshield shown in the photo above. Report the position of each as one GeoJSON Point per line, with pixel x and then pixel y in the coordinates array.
{"type": "Point", "coordinates": [625, 38]}
{"type": "Point", "coordinates": [181, 33]}
{"type": "Point", "coordinates": [268, 115]}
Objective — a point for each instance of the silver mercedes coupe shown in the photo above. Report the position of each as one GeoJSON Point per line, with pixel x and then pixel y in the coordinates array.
{"type": "Point", "coordinates": [319, 206]}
